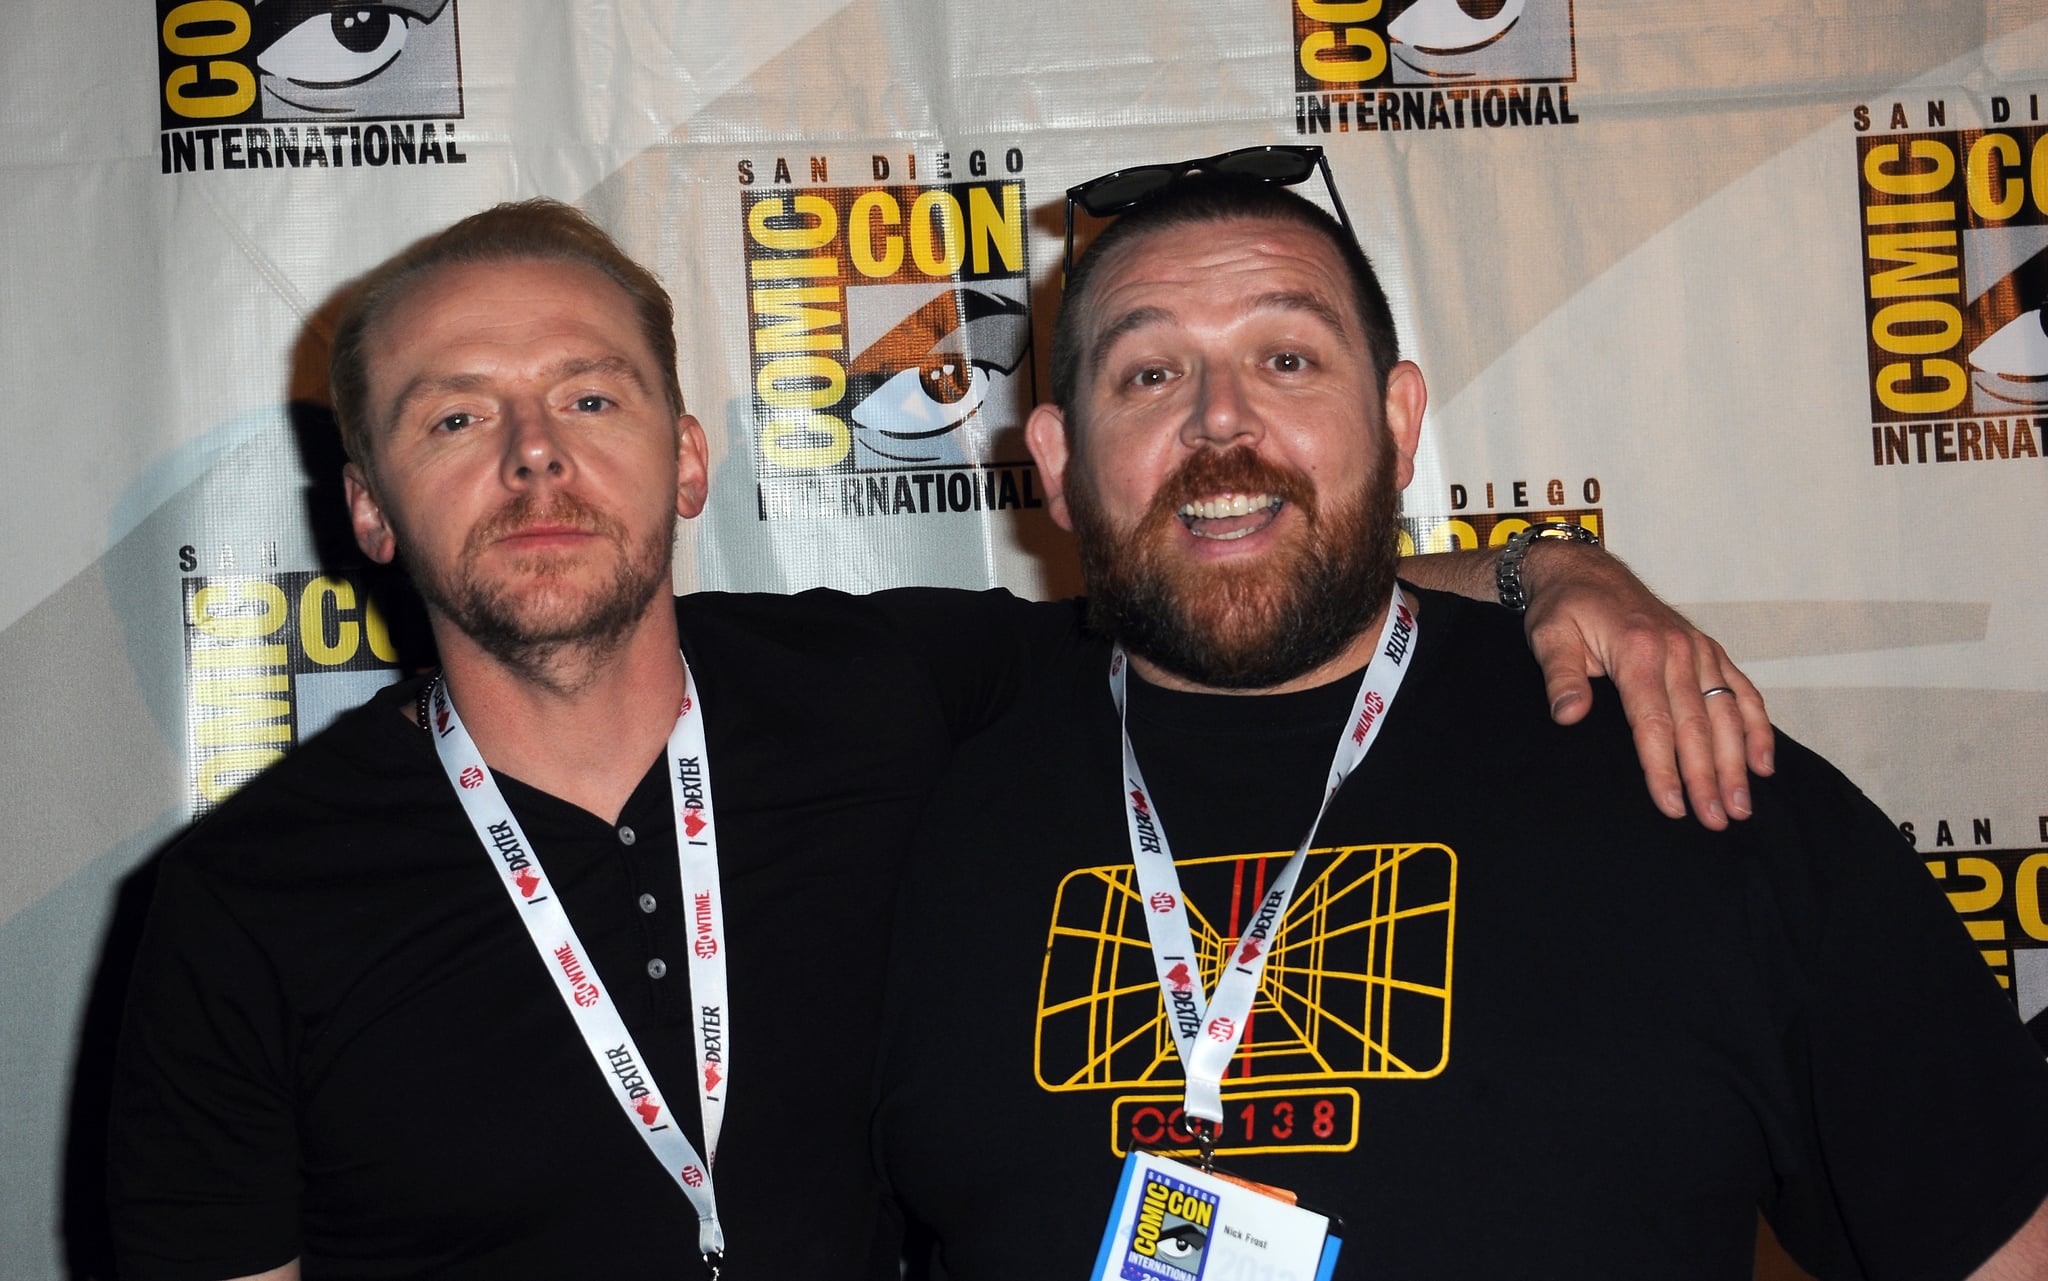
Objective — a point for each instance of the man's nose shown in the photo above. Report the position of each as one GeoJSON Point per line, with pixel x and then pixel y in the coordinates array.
{"type": "Point", "coordinates": [1223, 414]}
{"type": "Point", "coordinates": [534, 446]}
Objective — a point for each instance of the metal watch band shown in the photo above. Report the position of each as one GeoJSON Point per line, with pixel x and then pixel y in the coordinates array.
{"type": "Point", "coordinates": [1507, 571]}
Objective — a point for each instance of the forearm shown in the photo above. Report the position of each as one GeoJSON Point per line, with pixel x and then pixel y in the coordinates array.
{"type": "Point", "coordinates": [1473, 574]}
{"type": "Point", "coordinates": [1468, 574]}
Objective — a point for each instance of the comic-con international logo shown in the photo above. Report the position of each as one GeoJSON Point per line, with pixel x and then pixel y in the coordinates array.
{"type": "Point", "coordinates": [1169, 1239]}
{"type": "Point", "coordinates": [890, 331]}
{"type": "Point", "coordinates": [269, 660]}
{"type": "Point", "coordinates": [301, 84]}
{"type": "Point", "coordinates": [2002, 896]}
{"type": "Point", "coordinates": [1432, 64]}
{"type": "Point", "coordinates": [1954, 226]}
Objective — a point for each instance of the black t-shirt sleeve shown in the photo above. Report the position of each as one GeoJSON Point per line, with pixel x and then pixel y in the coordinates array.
{"type": "Point", "coordinates": [982, 649]}
{"type": "Point", "coordinates": [203, 1160]}
{"type": "Point", "coordinates": [1927, 1127]}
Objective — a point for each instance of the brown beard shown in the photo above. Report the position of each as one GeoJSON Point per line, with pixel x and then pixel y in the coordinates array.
{"type": "Point", "coordinates": [511, 620]}
{"type": "Point", "coordinates": [1248, 625]}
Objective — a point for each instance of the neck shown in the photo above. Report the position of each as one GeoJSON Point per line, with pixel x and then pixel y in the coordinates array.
{"type": "Point", "coordinates": [1352, 658]}
{"type": "Point", "coordinates": [579, 724]}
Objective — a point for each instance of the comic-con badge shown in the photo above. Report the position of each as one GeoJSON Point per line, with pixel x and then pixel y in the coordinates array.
{"type": "Point", "coordinates": [1173, 1222]}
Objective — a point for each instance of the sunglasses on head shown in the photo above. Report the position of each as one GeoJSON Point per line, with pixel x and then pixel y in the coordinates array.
{"type": "Point", "coordinates": [1114, 193]}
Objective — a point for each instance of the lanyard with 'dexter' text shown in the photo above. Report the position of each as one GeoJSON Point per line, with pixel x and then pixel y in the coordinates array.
{"type": "Point", "coordinates": [1207, 1033]}
{"type": "Point", "coordinates": [618, 1059]}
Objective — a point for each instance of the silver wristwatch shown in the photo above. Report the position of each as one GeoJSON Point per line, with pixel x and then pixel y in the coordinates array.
{"type": "Point", "coordinates": [1507, 571]}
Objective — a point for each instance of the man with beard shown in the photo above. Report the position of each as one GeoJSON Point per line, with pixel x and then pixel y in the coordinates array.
{"type": "Point", "coordinates": [1458, 985]}
{"type": "Point", "coordinates": [340, 1049]}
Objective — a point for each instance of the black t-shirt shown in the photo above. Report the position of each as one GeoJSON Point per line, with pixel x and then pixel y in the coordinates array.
{"type": "Point", "coordinates": [342, 1045]}
{"type": "Point", "coordinates": [1515, 1024]}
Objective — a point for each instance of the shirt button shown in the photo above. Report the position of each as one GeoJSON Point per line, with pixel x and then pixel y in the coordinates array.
{"type": "Point", "coordinates": [647, 902]}
{"type": "Point", "coordinates": [656, 968]}
{"type": "Point", "coordinates": [626, 836]}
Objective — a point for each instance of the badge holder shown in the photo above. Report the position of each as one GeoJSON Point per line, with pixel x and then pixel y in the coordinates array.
{"type": "Point", "coordinates": [1172, 1221]}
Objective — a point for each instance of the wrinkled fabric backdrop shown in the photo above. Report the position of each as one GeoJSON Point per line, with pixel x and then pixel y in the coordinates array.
{"type": "Point", "coordinates": [1756, 291]}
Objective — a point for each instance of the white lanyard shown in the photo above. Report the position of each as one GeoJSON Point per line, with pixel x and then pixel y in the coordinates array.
{"type": "Point", "coordinates": [1207, 1032]}
{"type": "Point", "coordinates": [611, 1046]}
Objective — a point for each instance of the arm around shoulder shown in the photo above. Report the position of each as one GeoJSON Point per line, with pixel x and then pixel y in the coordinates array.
{"type": "Point", "coordinates": [1699, 724]}
{"type": "Point", "coordinates": [981, 649]}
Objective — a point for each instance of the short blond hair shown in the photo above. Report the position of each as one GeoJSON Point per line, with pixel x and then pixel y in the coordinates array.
{"type": "Point", "coordinates": [526, 230]}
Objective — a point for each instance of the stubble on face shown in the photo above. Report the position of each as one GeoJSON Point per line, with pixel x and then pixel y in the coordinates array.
{"type": "Point", "coordinates": [1249, 623]}
{"type": "Point", "coordinates": [533, 610]}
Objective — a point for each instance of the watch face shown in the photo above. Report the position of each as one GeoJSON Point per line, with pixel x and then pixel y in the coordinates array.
{"type": "Point", "coordinates": [1555, 529]}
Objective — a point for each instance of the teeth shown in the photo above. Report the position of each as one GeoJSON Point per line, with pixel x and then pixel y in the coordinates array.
{"type": "Point", "coordinates": [1229, 505]}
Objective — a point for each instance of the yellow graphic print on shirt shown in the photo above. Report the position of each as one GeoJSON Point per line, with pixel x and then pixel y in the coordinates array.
{"type": "Point", "coordinates": [1357, 987]}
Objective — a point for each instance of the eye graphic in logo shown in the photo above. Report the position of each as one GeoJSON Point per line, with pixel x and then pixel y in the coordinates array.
{"type": "Point", "coordinates": [1444, 28]}
{"type": "Point", "coordinates": [1181, 1244]}
{"type": "Point", "coordinates": [937, 386]}
{"type": "Point", "coordinates": [1170, 1234]}
{"type": "Point", "coordinates": [2009, 368]}
{"type": "Point", "coordinates": [344, 59]}
{"type": "Point", "coordinates": [1433, 41]}
{"type": "Point", "coordinates": [2012, 364]}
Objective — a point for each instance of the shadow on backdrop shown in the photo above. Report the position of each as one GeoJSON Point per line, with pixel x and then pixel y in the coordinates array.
{"type": "Point", "coordinates": [315, 443]}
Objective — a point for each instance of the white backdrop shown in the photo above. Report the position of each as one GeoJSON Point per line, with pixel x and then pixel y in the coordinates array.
{"type": "Point", "coordinates": [1758, 290]}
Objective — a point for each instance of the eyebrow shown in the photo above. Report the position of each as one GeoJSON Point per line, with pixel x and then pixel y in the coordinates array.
{"type": "Point", "coordinates": [1130, 322]}
{"type": "Point", "coordinates": [1314, 304]}
{"type": "Point", "coordinates": [1279, 300]}
{"type": "Point", "coordinates": [427, 386]}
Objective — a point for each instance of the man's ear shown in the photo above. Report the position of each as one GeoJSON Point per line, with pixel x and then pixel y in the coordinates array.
{"type": "Point", "coordinates": [1407, 396]}
{"type": "Point", "coordinates": [1045, 434]}
{"type": "Point", "coordinates": [374, 532]}
{"type": "Point", "coordinates": [693, 468]}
